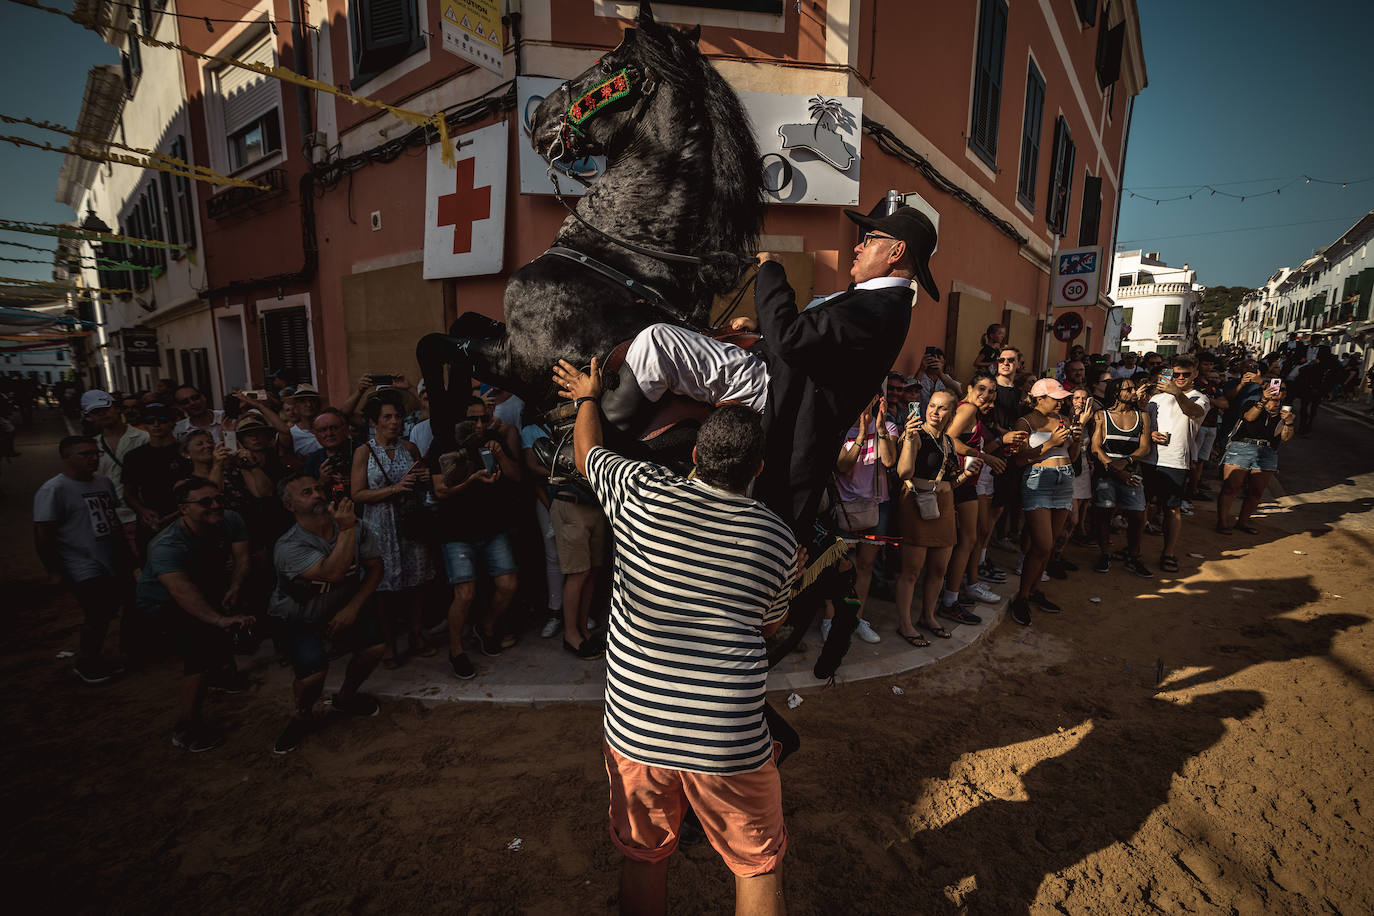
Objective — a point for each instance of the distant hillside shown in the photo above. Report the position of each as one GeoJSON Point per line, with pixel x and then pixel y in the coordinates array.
{"type": "Point", "coordinates": [1218, 304]}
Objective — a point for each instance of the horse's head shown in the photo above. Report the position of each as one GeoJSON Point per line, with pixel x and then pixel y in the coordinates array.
{"type": "Point", "coordinates": [590, 114]}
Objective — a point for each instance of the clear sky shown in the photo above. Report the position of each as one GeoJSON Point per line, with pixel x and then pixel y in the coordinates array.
{"type": "Point", "coordinates": [1263, 90]}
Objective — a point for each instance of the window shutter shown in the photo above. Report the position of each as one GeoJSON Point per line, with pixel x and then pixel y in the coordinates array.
{"type": "Point", "coordinates": [987, 84]}
{"type": "Point", "coordinates": [285, 338]}
{"type": "Point", "coordinates": [135, 52]}
{"type": "Point", "coordinates": [244, 94]}
{"type": "Point", "coordinates": [127, 66]}
{"type": "Point", "coordinates": [169, 217]}
{"type": "Point", "coordinates": [1030, 136]}
{"type": "Point", "coordinates": [1057, 208]}
{"type": "Point", "coordinates": [1170, 323]}
{"type": "Point", "coordinates": [385, 32]}
{"type": "Point", "coordinates": [1091, 216]}
{"type": "Point", "coordinates": [1087, 12]}
{"type": "Point", "coordinates": [185, 200]}
{"type": "Point", "coordinates": [1110, 46]}
{"type": "Point", "coordinates": [1365, 287]}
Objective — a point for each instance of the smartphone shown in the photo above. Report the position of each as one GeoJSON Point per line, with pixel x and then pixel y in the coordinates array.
{"type": "Point", "coordinates": [230, 440]}
{"type": "Point", "coordinates": [488, 459]}
{"type": "Point", "coordinates": [257, 394]}
{"type": "Point", "coordinates": [913, 409]}
{"type": "Point", "coordinates": [378, 379]}
{"type": "Point", "coordinates": [931, 351]}
{"type": "Point", "coordinates": [1275, 386]}
{"type": "Point", "coordinates": [1167, 375]}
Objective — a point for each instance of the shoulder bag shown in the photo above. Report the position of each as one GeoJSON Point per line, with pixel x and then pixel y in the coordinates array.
{"type": "Point", "coordinates": [927, 502]}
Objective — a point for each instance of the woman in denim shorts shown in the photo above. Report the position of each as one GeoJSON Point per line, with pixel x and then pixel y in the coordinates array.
{"type": "Point", "coordinates": [1046, 489]}
{"type": "Point", "coordinates": [1252, 454]}
{"type": "Point", "coordinates": [1120, 439]}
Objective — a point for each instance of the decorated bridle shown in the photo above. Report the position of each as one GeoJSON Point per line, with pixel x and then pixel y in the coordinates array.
{"type": "Point", "coordinates": [597, 98]}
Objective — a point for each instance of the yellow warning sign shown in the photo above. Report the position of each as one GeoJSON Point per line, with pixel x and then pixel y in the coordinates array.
{"type": "Point", "coordinates": [472, 31]}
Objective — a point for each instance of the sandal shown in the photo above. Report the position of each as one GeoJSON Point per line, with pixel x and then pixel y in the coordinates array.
{"type": "Point", "coordinates": [1248, 529]}
{"type": "Point", "coordinates": [934, 629]}
{"type": "Point", "coordinates": [1224, 529]}
{"type": "Point", "coordinates": [1168, 563]}
{"type": "Point", "coordinates": [919, 641]}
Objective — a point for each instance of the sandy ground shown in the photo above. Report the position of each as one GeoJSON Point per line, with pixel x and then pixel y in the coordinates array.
{"type": "Point", "coordinates": [1042, 769]}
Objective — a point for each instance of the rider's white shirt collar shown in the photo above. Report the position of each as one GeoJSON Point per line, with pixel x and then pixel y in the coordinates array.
{"type": "Point", "coordinates": [875, 283]}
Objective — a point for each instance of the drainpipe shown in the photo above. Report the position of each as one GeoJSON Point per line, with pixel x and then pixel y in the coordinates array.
{"type": "Point", "coordinates": [303, 118]}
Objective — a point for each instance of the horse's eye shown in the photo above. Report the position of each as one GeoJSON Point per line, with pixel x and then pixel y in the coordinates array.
{"type": "Point", "coordinates": [606, 67]}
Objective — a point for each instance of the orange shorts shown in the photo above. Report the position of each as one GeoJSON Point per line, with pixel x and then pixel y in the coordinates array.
{"type": "Point", "coordinates": [741, 814]}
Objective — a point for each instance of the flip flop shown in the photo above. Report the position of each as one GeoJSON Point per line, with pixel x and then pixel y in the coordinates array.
{"type": "Point", "coordinates": [934, 629]}
{"type": "Point", "coordinates": [918, 640]}
{"type": "Point", "coordinates": [1223, 529]}
{"type": "Point", "coordinates": [1168, 563]}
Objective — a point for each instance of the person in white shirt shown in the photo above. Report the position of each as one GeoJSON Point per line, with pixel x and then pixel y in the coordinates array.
{"type": "Point", "coordinates": [1176, 413]}
{"type": "Point", "coordinates": [1127, 367]}
{"type": "Point", "coordinates": [115, 439]}
{"type": "Point", "coordinates": [199, 415]}
{"type": "Point", "coordinates": [933, 377]}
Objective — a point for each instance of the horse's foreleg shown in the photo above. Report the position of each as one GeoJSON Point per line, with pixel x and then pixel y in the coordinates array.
{"type": "Point", "coordinates": [447, 370]}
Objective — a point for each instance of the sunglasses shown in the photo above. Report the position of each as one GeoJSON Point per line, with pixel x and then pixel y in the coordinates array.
{"type": "Point", "coordinates": [182, 402]}
{"type": "Point", "coordinates": [151, 420]}
{"type": "Point", "coordinates": [205, 502]}
{"type": "Point", "coordinates": [87, 453]}
{"type": "Point", "coordinates": [871, 236]}
{"type": "Point", "coordinates": [1006, 359]}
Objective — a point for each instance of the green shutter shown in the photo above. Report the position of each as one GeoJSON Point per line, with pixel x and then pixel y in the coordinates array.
{"type": "Point", "coordinates": [1365, 287]}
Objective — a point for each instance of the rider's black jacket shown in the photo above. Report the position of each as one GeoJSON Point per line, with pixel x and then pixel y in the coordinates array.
{"type": "Point", "coordinates": [824, 365]}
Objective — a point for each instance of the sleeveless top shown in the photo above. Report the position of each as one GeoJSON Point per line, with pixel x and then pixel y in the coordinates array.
{"type": "Point", "coordinates": [1118, 442]}
{"type": "Point", "coordinates": [973, 439]}
{"type": "Point", "coordinates": [1038, 439]}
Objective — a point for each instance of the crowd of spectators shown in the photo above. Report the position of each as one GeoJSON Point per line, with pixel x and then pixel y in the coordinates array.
{"type": "Point", "coordinates": [275, 516]}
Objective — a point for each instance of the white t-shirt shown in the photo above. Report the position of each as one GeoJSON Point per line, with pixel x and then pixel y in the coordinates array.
{"type": "Point", "coordinates": [112, 466]}
{"type": "Point", "coordinates": [422, 437]}
{"type": "Point", "coordinates": [1167, 417]}
{"type": "Point", "coordinates": [303, 442]}
{"type": "Point", "coordinates": [509, 410]}
{"type": "Point", "coordinates": [1123, 372]}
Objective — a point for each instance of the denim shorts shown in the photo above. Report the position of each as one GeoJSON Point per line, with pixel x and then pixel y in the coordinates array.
{"type": "Point", "coordinates": [1112, 493]}
{"type": "Point", "coordinates": [1251, 457]}
{"type": "Point", "coordinates": [304, 640]}
{"type": "Point", "coordinates": [460, 558]}
{"type": "Point", "coordinates": [1046, 487]}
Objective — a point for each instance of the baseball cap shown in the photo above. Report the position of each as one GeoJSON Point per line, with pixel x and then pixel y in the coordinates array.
{"type": "Point", "coordinates": [1048, 387]}
{"type": "Point", "coordinates": [95, 399]}
{"type": "Point", "coordinates": [157, 409]}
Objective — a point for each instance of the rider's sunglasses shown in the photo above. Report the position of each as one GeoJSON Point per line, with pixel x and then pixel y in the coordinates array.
{"type": "Point", "coordinates": [870, 236]}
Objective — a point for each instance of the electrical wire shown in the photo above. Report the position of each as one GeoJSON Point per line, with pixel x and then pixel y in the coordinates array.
{"type": "Point", "coordinates": [1215, 189]}
{"type": "Point", "coordinates": [1192, 235]}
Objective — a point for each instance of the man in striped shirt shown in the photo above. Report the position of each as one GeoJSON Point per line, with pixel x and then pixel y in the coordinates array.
{"type": "Point", "coordinates": [703, 574]}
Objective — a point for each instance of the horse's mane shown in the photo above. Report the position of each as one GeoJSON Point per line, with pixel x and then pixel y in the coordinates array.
{"type": "Point", "coordinates": [735, 177]}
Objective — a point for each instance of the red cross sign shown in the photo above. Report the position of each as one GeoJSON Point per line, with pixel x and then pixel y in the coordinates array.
{"type": "Point", "coordinates": [465, 205]}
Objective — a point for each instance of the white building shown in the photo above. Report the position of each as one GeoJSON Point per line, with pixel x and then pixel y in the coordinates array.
{"type": "Point", "coordinates": [1328, 294]}
{"type": "Point", "coordinates": [1158, 303]}
{"type": "Point", "coordinates": [142, 104]}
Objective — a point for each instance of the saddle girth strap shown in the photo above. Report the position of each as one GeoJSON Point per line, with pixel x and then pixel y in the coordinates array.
{"type": "Point", "coordinates": [641, 291]}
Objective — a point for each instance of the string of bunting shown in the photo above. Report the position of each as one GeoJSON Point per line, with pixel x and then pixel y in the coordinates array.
{"type": "Point", "coordinates": [211, 19]}
{"type": "Point", "coordinates": [143, 163]}
{"type": "Point", "coordinates": [1217, 189]}
{"type": "Point", "coordinates": [437, 120]}
{"type": "Point", "coordinates": [47, 284]}
{"type": "Point", "coordinates": [71, 259]}
{"type": "Point", "coordinates": [72, 232]}
{"type": "Point", "coordinates": [177, 166]}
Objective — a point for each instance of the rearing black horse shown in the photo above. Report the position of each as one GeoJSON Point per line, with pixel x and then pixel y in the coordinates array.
{"type": "Point", "coordinates": [677, 212]}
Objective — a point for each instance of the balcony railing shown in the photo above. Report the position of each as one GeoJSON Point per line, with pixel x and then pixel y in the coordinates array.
{"type": "Point", "coordinates": [1153, 289]}
{"type": "Point", "coordinates": [231, 201]}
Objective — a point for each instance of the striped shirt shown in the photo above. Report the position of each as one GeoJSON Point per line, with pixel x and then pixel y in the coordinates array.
{"type": "Point", "coordinates": [698, 573]}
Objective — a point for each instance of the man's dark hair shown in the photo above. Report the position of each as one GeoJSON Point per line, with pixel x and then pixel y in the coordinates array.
{"type": "Point", "coordinates": [169, 382]}
{"type": "Point", "coordinates": [1184, 362]}
{"type": "Point", "coordinates": [182, 489]}
{"type": "Point", "coordinates": [1113, 392]}
{"type": "Point", "coordinates": [285, 483]}
{"type": "Point", "coordinates": [730, 447]}
{"type": "Point", "coordinates": [183, 388]}
{"type": "Point", "coordinates": [69, 444]}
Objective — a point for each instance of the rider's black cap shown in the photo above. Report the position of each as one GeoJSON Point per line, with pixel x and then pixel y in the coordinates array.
{"type": "Point", "coordinates": [913, 227]}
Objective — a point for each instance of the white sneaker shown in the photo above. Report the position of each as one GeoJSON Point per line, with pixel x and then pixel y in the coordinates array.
{"type": "Point", "coordinates": [825, 629]}
{"type": "Point", "coordinates": [982, 593]}
{"type": "Point", "coordinates": [1044, 577]}
{"type": "Point", "coordinates": [1185, 507]}
{"type": "Point", "coordinates": [866, 632]}
{"type": "Point", "coordinates": [551, 628]}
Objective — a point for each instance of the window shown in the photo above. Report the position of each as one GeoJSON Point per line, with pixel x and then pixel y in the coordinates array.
{"type": "Point", "coordinates": [1125, 280]}
{"type": "Point", "coordinates": [169, 363]}
{"type": "Point", "coordinates": [1091, 214]}
{"type": "Point", "coordinates": [250, 107]}
{"type": "Point", "coordinates": [145, 15]}
{"type": "Point", "coordinates": [1030, 136]}
{"type": "Point", "coordinates": [1087, 12]}
{"type": "Point", "coordinates": [131, 62]}
{"type": "Point", "coordinates": [1110, 45]}
{"type": "Point", "coordinates": [1171, 315]}
{"type": "Point", "coordinates": [183, 194]}
{"type": "Point", "coordinates": [987, 79]}
{"type": "Point", "coordinates": [1126, 314]}
{"type": "Point", "coordinates": [1061, 177]}
{"type": "Point", "coordinates": [385, 32]}
{"type": "Point", "coordinates": [285, 337]}
{"type": "Point", "coordinates": [254, 141]}
{"type": "Point", "coordinates": [1167, 349]}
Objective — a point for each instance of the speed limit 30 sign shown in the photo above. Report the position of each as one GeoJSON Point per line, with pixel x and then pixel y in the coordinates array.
{"type": "Point", "coordinates": [1075, 280]}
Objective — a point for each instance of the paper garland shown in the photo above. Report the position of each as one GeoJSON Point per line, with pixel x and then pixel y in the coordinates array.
{"type": "Point", "coordinates": [61, 231]}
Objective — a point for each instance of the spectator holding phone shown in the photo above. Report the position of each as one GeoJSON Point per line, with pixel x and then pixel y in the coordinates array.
{"type": "Point", "coordinates": [861, 482]}
{"type": "Point", "coordinates": [332, 464]}
{"type": "Point", "coordinates": [933, 377]}
{"type": "Point", "coordinates": [1176, 412]}
{"type": "Point", "coordinates": [1121, 438]}
{"type": "Point", "coordinates": [1252, 457]}
{"type": "Point", "coordinates": [328, 568]}
{"type": "Point", "coordinates": [150, 471]}
{"type": "Point", "coordinates": [473, 527]}
{"type": "Point", "coordinates": [386, 473]}
{"type": "Point", "coordinates": [1047, 475]}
